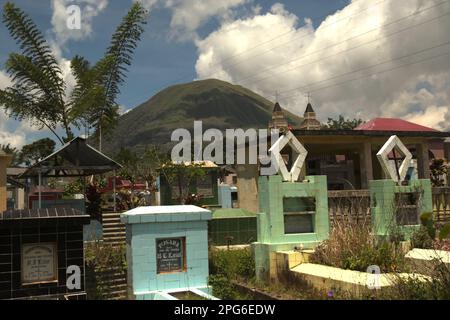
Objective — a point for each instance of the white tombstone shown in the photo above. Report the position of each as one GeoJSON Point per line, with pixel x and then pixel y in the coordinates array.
{"type": "Point", "coordinates": [297, 147]}
{"type": "Point", "coordinates": [382, 155]}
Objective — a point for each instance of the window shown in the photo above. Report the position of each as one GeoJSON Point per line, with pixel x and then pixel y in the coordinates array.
{"type": "Point", "coordinates": [299, 214]}
{"type": "Point", "coordinates": [170, 255]}
{"type": "Point", "coordinates": [407, 208]}
{"type": "Point", "coordinates": [39, 263]}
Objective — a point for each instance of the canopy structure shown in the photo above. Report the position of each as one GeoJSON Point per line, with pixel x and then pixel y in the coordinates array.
{"type": "Point", "coordinates": [74, 159]}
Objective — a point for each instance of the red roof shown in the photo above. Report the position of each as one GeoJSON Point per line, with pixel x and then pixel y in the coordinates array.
{"type": "Point", "coordinates": [392, 124]}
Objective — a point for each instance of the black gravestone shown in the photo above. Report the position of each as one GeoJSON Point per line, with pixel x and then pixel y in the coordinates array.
{"type": "Point", "coordinates": [170, 255]}
{"type": "Point", "coordinates": [36, 248]}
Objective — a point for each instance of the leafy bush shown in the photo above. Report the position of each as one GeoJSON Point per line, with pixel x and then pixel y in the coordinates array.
{"type": "Point", "coordinates": [101, 260]}
{"type": "Point", "coordinates": [222, 287]}
{"type": "Point", "coordinates": [421, 239]}
{"type": "Point", "coordinates": [436, 287]}
{"type": "Point", "coordinates": [353, 246]}
{"type": "Point", "coordinates": [232, 263]}
{"type": "Point", "coordinates": [227, 265]}
{"type": "Point", "coordinates": [425, 237]}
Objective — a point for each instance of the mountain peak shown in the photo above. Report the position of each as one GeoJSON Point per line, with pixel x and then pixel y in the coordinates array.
{"type": "Point", "coordinates": [218, 104]}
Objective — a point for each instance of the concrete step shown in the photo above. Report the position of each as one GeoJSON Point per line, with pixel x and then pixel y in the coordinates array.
{"type": "Point", "coordinates": [109, 220]}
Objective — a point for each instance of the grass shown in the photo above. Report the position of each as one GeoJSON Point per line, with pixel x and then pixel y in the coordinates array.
{"type": "Point", "coordinates": [353, 246]}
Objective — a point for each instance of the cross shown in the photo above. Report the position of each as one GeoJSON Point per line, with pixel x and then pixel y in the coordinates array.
{"type": "Point", "coordinates": [395, 158]}
{"type": "Point", "coordinates": [276, 96]}
{"type": "Point", "coordinates": [308, 96]}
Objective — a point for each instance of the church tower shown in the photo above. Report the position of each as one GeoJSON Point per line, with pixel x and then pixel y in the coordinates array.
{"type": "Point", "coordinates": [278, 119]}
{"type": "Point", "coordinates": [310, 122]}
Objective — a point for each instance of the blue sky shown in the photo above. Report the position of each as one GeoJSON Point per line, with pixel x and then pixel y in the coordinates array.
{"type": "Point", "coordinates": [181, 44]}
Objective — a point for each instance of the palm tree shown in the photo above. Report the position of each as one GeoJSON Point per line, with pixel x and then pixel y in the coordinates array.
{"type": "Point", "coordinates": [39, 90]}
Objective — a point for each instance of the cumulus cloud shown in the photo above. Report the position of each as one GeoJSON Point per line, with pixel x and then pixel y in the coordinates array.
{"type": "Point", "coordinates": [89, 9]}
{"type": "Point", "coordinates": [189, 15]}
{"type": "Point", "coordinates": [14, 137]}
{"type": "Point", "coordinates": [14, 132]}
{"type": "Point", "coordinates": [350, 62]}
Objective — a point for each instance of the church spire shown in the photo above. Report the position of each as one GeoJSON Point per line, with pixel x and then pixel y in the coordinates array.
{"type": "Point", "coordinates": [278, 119]}
{"type": "Point", "coordinates": [310, 122]}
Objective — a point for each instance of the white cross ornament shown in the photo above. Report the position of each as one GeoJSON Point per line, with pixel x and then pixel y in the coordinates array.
{"type": "Point", "coordinates": [383, 154]}
{"type": "Point", "coordinates": [297, 147]}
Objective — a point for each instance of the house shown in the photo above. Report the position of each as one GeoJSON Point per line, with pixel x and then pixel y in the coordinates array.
{"type": "Point", "coordinates": [347, 157]}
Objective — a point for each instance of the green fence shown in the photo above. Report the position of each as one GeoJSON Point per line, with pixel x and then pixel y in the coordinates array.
{"type": "Point", "coordinates": [232, 231]}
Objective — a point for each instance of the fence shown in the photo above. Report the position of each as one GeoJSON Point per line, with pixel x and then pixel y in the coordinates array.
{"type": "Point", "coordinates": [441, 203]}
{"type": "Point", "coordinates": [354, 205]}
{"type": "Point", "coordinates": [349, 206]}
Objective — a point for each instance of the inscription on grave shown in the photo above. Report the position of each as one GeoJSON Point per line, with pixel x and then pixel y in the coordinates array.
{"type": "Point", "coordinates": [170, 255]}
{"type": "Point", "coordinates": [38, 263]}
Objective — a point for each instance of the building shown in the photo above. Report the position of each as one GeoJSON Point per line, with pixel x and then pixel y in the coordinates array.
{"type": "Point", "coordinates": [310, 122]}
{"type": "Point", "coordinates": [5, 159]}
{"type": "Point", "coordinates": [348, 157]}
{"type": "Point", "coordinates": [279, 120]}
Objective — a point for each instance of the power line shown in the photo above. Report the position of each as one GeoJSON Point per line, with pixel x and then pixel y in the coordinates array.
{"type": "Point", "coordinates": [291, 31]}
{"type": "Point", "coordinates": [290, 41]}
{"type": "Point", "coordinates": [384, 71]}
{"type": "Point", "coordinates": [231, 57]}
{"type": "Point", "coordinates": [332, 55]}
{"type": "Point", "coordinates": [369, 67]}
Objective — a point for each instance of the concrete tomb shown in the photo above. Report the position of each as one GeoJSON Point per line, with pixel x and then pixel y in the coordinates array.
{"type": "Point", "coordinates": [167, 252]}
{"type": "Point", "coordinates": [292, 215]}
{"type": "Point", "coordinates": [42, 254]}
{"type": "Point", "coordinates": [396, 204]}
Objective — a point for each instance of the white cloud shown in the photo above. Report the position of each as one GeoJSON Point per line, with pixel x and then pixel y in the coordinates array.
{"type": "Point", "coordinates": [189, 15]}
{"type": "Point", "coordinates": [147, 4]}
{"type": "Point", "coordinates": [89, 10]}
{"type": "Point", "coordinates": [239, 51]}
{"type": "Point", "coordinates": [16, 139]}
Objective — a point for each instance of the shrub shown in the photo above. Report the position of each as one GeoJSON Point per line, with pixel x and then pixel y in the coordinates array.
{"type": "Point", "coordinates": [227, 265]}
{"type": "Point", "coordinates": [102, 260]}
{"type": "Point", "coordinates": [436, 287]}
{"type": "Point", "coordinates": [232, 263]}
{"type": "Point", "coordinates": [353, 246]}
{"type": "Point", "coordinates": [421, 239]}
{"type": "Point", "coordinates": [222, 287]}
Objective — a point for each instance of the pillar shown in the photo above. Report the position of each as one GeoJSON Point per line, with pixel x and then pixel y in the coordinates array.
{"type": "Point", "coordinates": [365, 164]}
{"type": "Point", "coordinates": [4, 163]}
{"type": "Point", "coordinates": [423, 161]}
{"type": "Point", "coordinates": [447, 150]}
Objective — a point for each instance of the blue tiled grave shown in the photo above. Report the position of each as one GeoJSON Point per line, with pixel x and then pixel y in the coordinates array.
{"type": "Point", "coordinates": [167, 251]}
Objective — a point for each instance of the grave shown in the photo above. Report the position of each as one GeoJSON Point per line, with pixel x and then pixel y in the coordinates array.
{"type": "Point", "coordinates": [167, 252]}
{"type": "Point", "coordinates": [42, 254]}
{"type": "Point", "coordinates": [292, 215]}
{"type": "Point", "coordinates": [396, 204]}
{"type": "Point", "coordinates": [205, 185]}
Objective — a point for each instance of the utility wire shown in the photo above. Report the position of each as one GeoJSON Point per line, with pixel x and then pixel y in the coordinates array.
{"type": "Point", "coordinates": [231, 57]}
{"type": "Point", "coordinates": [294, 30]}
{"type": "Point", "coordinates": [244, 80]}
{"type": "Point", "coordinates": [290, 41]}
{"type": "Point", "coordinates": [371, 74]}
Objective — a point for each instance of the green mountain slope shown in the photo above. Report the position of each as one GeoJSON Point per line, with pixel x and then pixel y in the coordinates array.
{"type": "Point", "coordinates": [217, 103]}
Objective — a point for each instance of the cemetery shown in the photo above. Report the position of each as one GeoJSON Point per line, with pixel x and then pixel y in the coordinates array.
{"type": "Point", "coordinates": [207, 190]}
{"type": "Point", "coordinates": [292, 248]}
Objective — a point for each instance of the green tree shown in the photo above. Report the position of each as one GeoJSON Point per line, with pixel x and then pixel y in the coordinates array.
{"type": "Point", "coordinates": [38, 93]}
{"type": "Point", "coordinates": [98, 86]}
{"type": "Point", "coordinates": [438, 170]}
{"type": "Point", "coordinates": [180, 176]}
{"type": "Point", "coordinates": [33, 152]}
{"type": "Point", "coordinates": [342, 123]}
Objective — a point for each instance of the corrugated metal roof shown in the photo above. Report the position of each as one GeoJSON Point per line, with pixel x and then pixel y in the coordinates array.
{"type": "Point", "coordinates": [74, 159]}
{"type": "Point", "coordinates": [393, 124]}
{"type": "Point", "coordinates": [42, 213]}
